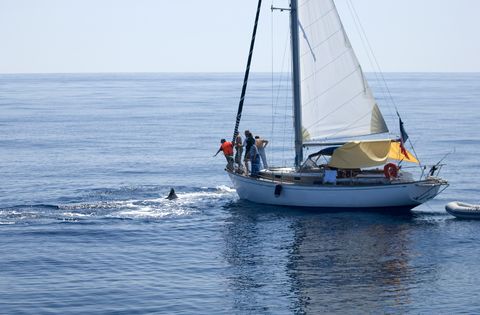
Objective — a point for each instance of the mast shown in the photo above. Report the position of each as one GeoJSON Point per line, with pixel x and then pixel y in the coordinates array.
{"type": "Point", "coordinates": [297, 106]}
{"type": "Point", "coordinates": [247, 72]}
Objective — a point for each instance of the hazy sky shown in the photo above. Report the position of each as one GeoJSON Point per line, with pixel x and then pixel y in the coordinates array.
{"type": "Point", "coordinates": [213, 35]}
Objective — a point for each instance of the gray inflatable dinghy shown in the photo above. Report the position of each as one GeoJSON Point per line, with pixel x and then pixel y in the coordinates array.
{"type": "Point", "coordinates": [463, 210]}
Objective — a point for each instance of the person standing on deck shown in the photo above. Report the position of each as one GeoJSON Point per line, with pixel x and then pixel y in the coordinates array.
{"type": "Point", "coordinates": [248, 143]}
{"type": "Point", "coordinates": [255, 160]}
{"type": "Point", "coordinates": [261, 145]}
{"type": "Point", "coordinates": [227, 148]}
{"type": "Point", "coordinates": [238, 152]}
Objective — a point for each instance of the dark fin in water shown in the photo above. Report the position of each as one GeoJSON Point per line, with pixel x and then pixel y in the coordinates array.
{"type": "Point", "coordinates": [172, 195]}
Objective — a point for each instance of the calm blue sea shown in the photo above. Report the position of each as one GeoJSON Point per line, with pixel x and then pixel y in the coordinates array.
{"type": "Point", "coordinates": [87, 159]}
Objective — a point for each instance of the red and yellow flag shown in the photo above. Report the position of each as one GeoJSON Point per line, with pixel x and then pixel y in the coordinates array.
{"type": "Point", "coordinates": [398, 152]}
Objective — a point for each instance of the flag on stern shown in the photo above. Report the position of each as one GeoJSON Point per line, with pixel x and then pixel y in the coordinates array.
{"type": "Point", "coordinates": [403, 138]}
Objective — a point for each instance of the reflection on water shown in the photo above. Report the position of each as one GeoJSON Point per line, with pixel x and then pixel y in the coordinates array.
{"type": "Point", "coordinates": [257, 250]}
{"type": "Point", "coordinates": [349, 261]}
{"type": "Point", "coordinates": [323, 263]}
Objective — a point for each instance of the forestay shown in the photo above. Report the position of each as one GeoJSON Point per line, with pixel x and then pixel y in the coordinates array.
{"type": "Point", "coordinates": [336, 99]}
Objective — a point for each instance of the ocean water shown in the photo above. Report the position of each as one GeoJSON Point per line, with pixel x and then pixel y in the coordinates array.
{"type": "Point", "coordinates": [86, 161]}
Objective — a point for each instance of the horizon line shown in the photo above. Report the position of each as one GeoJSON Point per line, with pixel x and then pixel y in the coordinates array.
{"type": "Point", "coordinates": [226, 72]}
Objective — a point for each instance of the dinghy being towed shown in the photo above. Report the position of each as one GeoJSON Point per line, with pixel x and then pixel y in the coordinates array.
{"type": "Point", "coordinates": [463, 210]}
{"type": "Point", "coordinates": [332, 100]}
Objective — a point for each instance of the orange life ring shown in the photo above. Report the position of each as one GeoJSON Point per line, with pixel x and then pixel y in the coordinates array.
{"type": "Point", "coordinates": [390, 170]}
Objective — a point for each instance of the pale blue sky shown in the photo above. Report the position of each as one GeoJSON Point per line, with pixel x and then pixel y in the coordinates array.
{"type": "Point", "coordinates": [45, 36]}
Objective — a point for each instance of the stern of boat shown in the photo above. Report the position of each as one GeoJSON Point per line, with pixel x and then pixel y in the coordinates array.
{"type": "Point", "coordinates": [428, 189]}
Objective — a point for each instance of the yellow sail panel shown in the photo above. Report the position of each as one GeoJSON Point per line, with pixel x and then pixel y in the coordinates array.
{"type": "Point", "coordinates": [360, 154]}
{"type": "Point", "coordinates": [397, 154]}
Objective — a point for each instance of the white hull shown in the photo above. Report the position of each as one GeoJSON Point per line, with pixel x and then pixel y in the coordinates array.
{"type": "Point", "coordinates": [395, 196]}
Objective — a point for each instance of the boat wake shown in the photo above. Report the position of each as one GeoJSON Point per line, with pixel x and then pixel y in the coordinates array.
{"type": "Point", "coordinates": [144, 203]}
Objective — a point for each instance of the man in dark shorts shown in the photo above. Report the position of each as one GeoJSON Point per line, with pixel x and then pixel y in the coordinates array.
{"type": "Point", "coordinates": [255, 160]}
{"type": "Point", "coordinates": [249, 141]}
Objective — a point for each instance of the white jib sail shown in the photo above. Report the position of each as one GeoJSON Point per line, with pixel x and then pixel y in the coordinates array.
{"type": "Point", "coordinates": [336, 99]}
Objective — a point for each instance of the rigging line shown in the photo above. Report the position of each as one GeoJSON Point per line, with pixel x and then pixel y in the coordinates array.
{"type": "Point", "coordinates": [247, 72]}
{"type": "Point", "coordinates": [287, 37]}
{"type": "Point", "coordinates": [335, 110]}
{"type": "Point", "coordinates": [287, 95]}
{"type": "Point", "coordinates": [415, 152]}
{"type": "Point", "coordinates": [281, 71]}
{"type": "Point", "coordinates": [413, 147]}
{"type": "Point", "coordinates": [272, 55]}
{"type": "Point", "coordinates": [331, 87]}
{"type": "Point", "coordinates": [357, 24]}
{"type": "Point", "coordinates": [373, 55]}
{"type": "Point", "coordinates": [362, 40]}
{"type": "Point", "coordinates": [381, 72]}
{"type": "Point", "coordinates": [292, 134]}
{"type": "Point", "coordinates": [326, 65]}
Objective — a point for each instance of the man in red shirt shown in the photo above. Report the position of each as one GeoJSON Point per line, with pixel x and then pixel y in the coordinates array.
{"type": "Point", "coordinates": [227, 148]}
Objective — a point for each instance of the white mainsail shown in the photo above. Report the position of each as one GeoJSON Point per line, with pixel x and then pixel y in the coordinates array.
{"type": "Point", "coordinates": [336, 99]}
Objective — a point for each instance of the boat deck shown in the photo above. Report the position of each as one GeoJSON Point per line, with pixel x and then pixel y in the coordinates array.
{"type": "Point", "coordinates": [343, 177]}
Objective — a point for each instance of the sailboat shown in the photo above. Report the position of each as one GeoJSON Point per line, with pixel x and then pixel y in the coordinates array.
{"type": "Point", "coordinates": [332, 100]}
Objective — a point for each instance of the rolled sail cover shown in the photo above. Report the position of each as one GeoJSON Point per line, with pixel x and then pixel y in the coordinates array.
{"type": "Point", "coordinates": [361, 154]}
